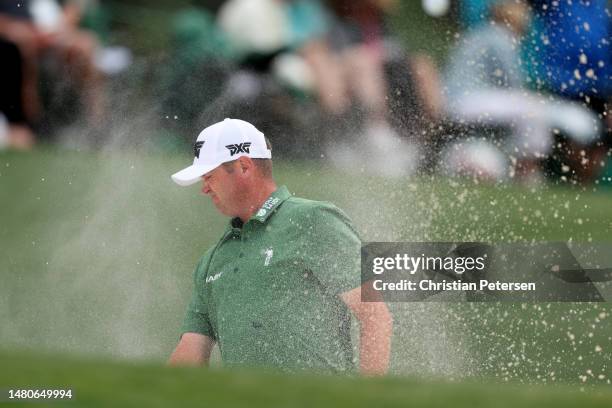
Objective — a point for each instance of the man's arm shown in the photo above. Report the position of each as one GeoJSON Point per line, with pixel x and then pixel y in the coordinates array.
{"type": "Point", "coordinates": [193, 349]}
{"type": "Point", "coordinates": [375, 329]}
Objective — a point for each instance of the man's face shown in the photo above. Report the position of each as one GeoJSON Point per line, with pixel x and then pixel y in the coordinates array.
{"type": "Point", "coordinates": [224, 185]}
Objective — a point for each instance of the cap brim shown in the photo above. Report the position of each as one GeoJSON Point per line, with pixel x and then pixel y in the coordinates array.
{"type": "Point", "coordinates": [191, 174]}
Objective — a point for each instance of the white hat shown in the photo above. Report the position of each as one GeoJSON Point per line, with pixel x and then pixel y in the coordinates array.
{"type": "Point", "coordinates": [220, 143]}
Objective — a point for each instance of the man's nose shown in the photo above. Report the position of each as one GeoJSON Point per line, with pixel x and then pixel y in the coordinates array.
{"type": "Point", "coordinates": [205, 187]}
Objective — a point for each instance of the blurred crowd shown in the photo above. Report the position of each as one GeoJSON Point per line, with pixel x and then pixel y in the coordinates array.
{"type": "Point", "coordinates": [523, 95]}
{"type": "Point", "coordinates": [54, 67]}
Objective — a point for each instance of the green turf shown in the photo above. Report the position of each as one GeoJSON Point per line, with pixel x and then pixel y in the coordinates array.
{"type": "Point", "coordinates": [102, 384]}
{"type": "Point", "coordinates": [98, 251]}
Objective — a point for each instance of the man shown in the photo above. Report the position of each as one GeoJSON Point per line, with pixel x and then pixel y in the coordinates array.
{"type": "Point", "coordinates": [277, 288]}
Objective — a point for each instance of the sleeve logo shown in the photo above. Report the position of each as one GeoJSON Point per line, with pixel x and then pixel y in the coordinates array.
{"type": "Point", "coordinates": [210, 279]}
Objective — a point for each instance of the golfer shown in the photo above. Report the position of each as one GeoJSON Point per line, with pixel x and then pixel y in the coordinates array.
{"type": "Point", "coordinates": [279, 287]}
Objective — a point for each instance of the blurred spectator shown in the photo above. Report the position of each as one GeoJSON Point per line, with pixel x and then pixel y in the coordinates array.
{"type": "Point", "coordinates": [275, 44]}
{"type": "Point", "coordinates": [271, 56]}
{"type": "Point", "coordinates": [16, 28]}
{"type": "Point", "coordinates": [14, 131]}
{"type": "Point", "coordinates": [574, 48]}
{"type": "Point", "coordinates": [567, 49]}
{"type": "Point", "coordinates": [570, 54]}
{"type": "Point", "coordinates": [414, 90]}
{"type": "Point", "coordinates": [484, 85]}
{"type": "Point", "coordinates": [247, 61]}
{"type": "Point", "coordinates": [43, 31]}
{"type": "Point", "coordinates": [96, 17]}
{"type": "Point", "coordinates": [356, 39]}
{"type": "Point", "coordinates": [261, 30]}
{"type": "Point", "coordinates": [360, 69]}
{"type": "Point", "coordinates": [201, 60]}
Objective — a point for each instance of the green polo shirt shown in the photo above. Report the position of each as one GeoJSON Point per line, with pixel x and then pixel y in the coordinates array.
{"type": "Point", "coordinates": [267, 292]}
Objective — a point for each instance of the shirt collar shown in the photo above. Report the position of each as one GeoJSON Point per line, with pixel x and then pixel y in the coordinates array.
{"type": "Point", "coordinates": [269, 206]}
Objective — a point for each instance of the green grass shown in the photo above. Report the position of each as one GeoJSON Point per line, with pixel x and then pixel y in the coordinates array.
{"type": "Point", "coordinates": [102, 384]}
{"type": "Point", "coordinates": [98, 252]}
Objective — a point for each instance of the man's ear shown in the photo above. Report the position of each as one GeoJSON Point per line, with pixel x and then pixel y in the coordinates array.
{"type": "Point", "coordinates": [246, 164]}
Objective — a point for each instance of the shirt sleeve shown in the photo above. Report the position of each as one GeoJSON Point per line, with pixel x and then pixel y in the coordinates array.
{"type": "Point", "coordinates": [333, 250]}
{"type": "Point", "coordinates": [196, 318]}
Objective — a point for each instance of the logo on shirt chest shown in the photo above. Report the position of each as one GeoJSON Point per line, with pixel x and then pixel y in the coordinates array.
{"type": "Point", "coordinates": [269, 253]}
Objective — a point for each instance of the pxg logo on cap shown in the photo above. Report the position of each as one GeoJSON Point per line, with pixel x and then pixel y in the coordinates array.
{"type": "Point", "coordinates": [196, 149]}
{"type": "Point", "coordinates": [239, 148]}
{"type": "Point", "coordinates": [220, 143]}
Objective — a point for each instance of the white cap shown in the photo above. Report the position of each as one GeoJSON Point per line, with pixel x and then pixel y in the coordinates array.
{"type": "Point", "coordinates": [220, 143]}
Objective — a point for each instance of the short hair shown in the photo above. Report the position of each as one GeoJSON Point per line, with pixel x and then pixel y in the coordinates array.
{"type": "Point", "coordinates": [264, 166]}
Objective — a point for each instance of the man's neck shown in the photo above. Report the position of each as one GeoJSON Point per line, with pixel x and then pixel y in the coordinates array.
{"type": "Point", "coordinates": [256, 200]}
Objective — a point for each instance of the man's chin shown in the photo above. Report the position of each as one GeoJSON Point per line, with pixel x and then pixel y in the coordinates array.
{"type": "Point", "coordinates": [223, 210]}
{"type": "Point", "coordinates": [217, 206]}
